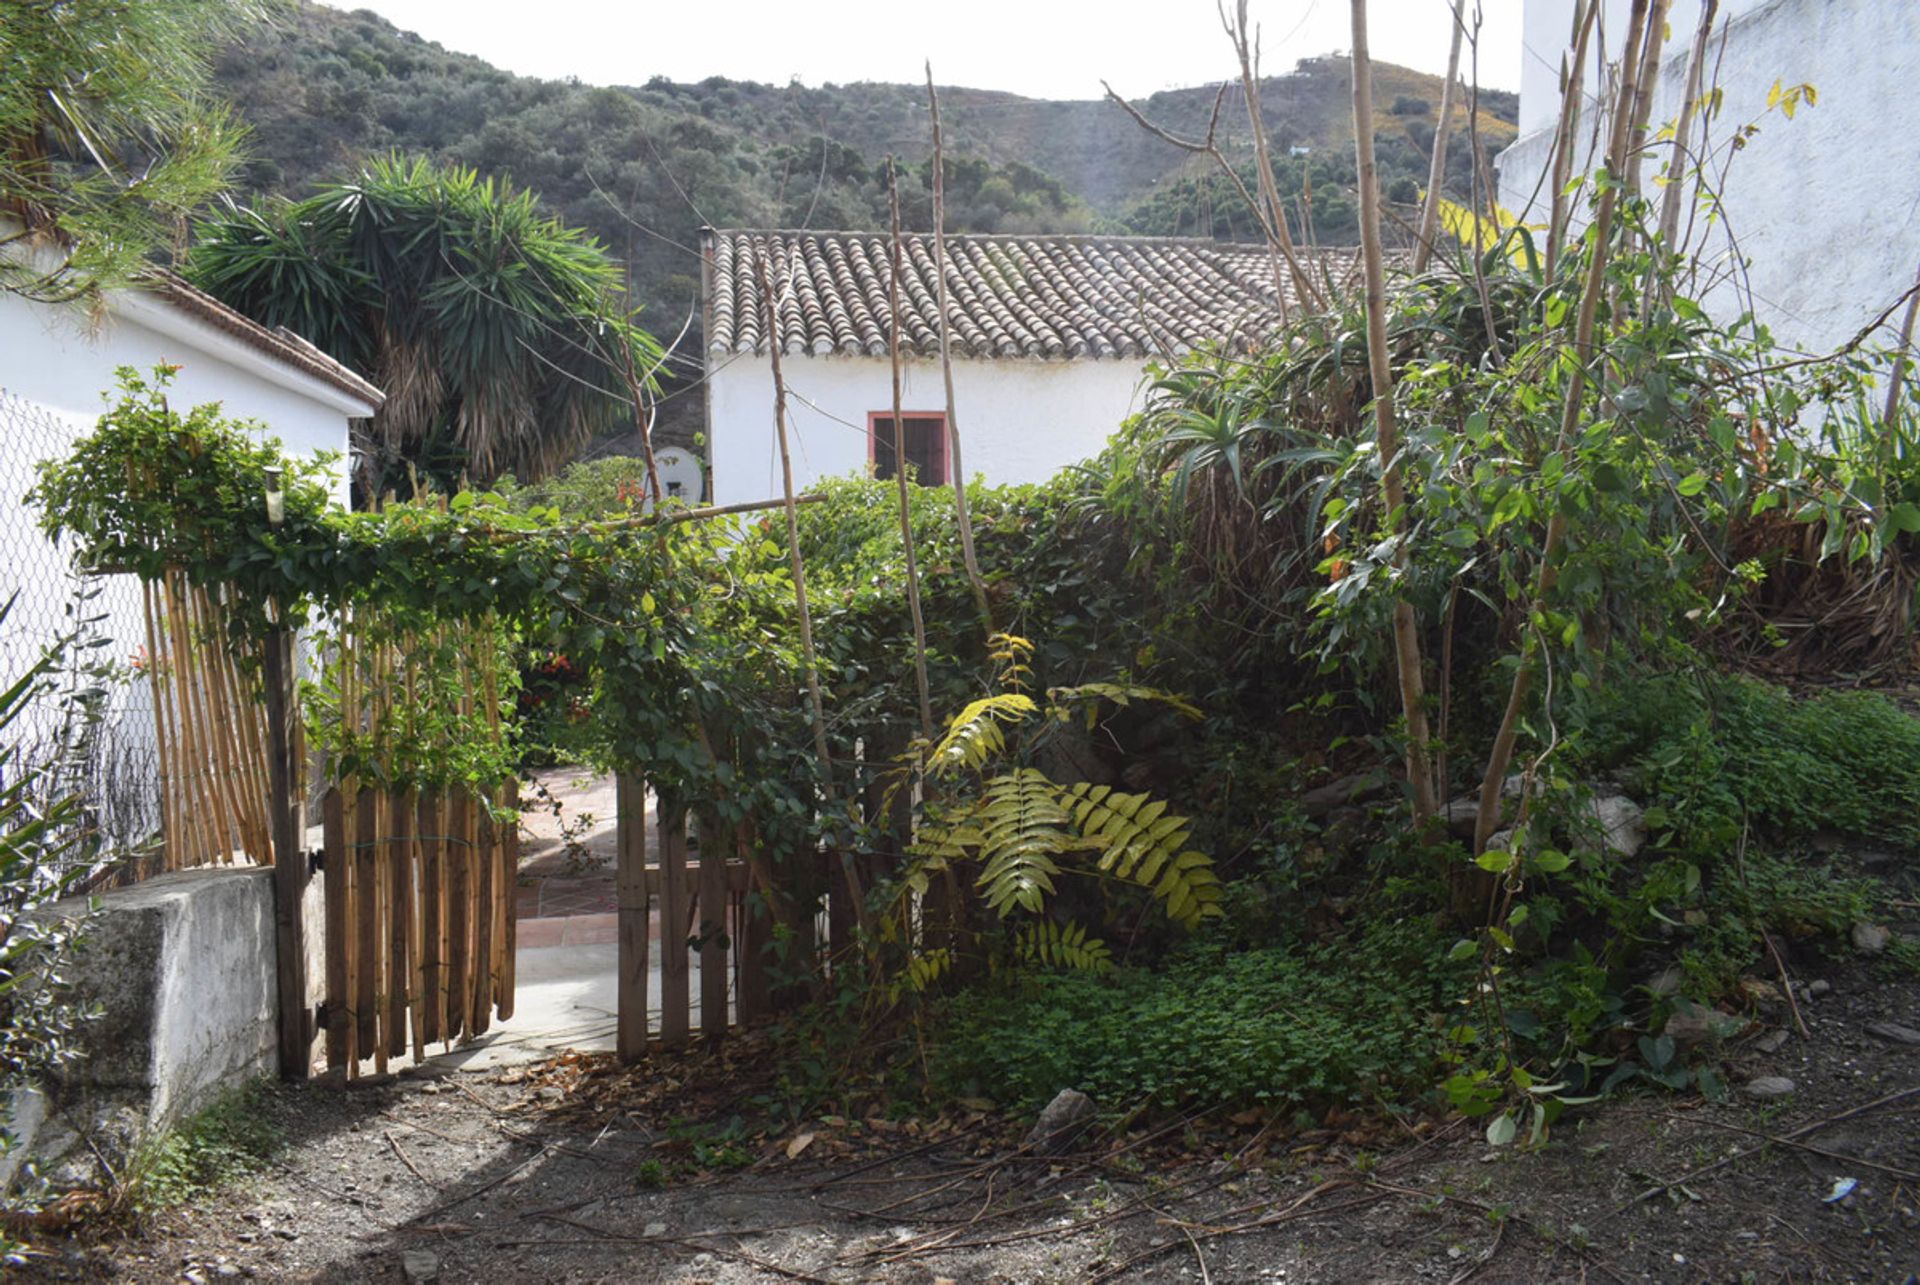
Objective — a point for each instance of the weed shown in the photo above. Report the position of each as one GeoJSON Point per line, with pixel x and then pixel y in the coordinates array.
{"type": "Point", "coordinates": [650, 1175]}
{"type": "Point", "coordinates": [232, 1139]}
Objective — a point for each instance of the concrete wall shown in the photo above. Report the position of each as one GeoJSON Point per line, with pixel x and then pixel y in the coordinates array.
{"type": "Point", "coordinates": [183, 969]}
{"type": "Point", "coordinates": [1020, 420]}
{"type": "Point", "coordinates": [1826, 206]}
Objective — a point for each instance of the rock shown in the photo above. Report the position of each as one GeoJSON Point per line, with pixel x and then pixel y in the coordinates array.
{"type": "Point", "coordinates": [1666, 981]}
{"type": "Point", "coordinates": [226, 1270]}
{"type": "Point", "coordinates": [1772, 1042]}
{"type": "Point", "coordinates": [1694, 1024]}
{"type": "Point", "coordinates": [1622, 824]}
{"type": "Point", "coordinates": [1818, 987]}
{"type": "Point", "coordinates": [1343, 828]}
{"type": "Point", "coordinates": [1463, 813]}
{"type": "Point", "coordinates": [1065, 1118]}
{"type": "Point", "coordinates": [1870, 939]}
{"type": "Point", "coordinates": [1894, 1032]}
{"type": "Point", "coordinates": [419, 1265]}
{"type": "Point", "coordinates": [1769, 1086]}
{"type": "Point", "coordinates": [1360, 787]}
{"type": "Point", "coordinates": [653, 1229]}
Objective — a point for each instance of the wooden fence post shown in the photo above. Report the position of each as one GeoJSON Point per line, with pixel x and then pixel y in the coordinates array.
{"type": "Point", "coordinates": [286, 786]}
{"type": "Point", "coordinates": [630, 885]}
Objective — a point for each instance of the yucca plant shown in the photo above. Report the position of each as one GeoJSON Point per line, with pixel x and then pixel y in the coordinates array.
{"type": "Point", "coordinates": [1017, 833]}
{"type": "Point", "coordinates": [501, 336]}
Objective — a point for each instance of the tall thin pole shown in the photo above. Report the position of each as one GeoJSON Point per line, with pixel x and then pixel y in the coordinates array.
{"type": "Point", "coordinates": [896, 266]}
{"type": "Point", "coordinates": [772, 325]}
{"type": "Point", "coordinates": [957, 472]}
{"type": "Point", "coordinates": [1406, 636]}
{"type": "Point", "coordinates": [1437, 170]}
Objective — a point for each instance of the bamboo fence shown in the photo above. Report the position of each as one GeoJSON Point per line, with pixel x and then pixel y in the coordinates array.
{"type": "Point", "coordinates": [210, 729]}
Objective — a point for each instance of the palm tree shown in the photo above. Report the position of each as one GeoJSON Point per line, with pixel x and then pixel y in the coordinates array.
{"type": "Point", "coordinates": [501, 336]}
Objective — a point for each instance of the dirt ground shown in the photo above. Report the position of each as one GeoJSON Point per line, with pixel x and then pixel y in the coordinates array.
{"type": "Point", "coordinates": [580, 1171]}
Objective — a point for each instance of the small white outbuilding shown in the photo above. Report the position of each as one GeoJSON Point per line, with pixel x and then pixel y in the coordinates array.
{"type": "Point", "coordinates": [1051, 339]}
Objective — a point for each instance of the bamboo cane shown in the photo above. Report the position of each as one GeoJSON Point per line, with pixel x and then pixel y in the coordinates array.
{"type": "Point", "coordinates": [897, 266]}
{"type": "Point", "coordinates": [1437, 169]}
{"type": "Point", "coordinates": [1406, 638]}
{"type": "Point", "coordinates": [957, 472]}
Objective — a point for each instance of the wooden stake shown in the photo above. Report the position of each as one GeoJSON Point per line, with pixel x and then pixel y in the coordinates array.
{"type": "Point", "coordinates": [1406, 636]}
{"type": "Point", "coordinates": [897, 266]}
{"type": "Point", "coordinates": [956, 468]}
{"type": "Point", "coordinates": [1437, 169]}
{"type": "Point", "coordinates": [630, 885]}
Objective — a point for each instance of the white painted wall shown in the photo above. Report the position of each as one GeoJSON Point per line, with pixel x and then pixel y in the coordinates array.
{"type": "Point", "coordinates": [55, 364]}
{"type": "Point", "coordinates": [1823, 210]}
{"type": "Point", "coordinates": [1020, 420]}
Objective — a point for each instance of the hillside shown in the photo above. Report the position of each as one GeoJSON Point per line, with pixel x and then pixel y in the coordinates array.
{"type": "Point", "coordinates": [643, 167]}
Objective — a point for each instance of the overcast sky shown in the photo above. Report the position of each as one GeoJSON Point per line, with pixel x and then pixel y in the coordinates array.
{"type": "Point", "coordinates": [1042, 48]}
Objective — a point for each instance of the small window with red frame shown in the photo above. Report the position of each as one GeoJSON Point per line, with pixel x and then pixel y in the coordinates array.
{"type": "Point", "coordinates": [926, 447]}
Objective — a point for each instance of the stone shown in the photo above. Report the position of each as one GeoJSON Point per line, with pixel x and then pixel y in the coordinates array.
{"type": "Point", "coordinates": [1870, 939]}
{"type": "Point", "coordinates": [1361, 787]}
{"type": "Point", "coordinates": [1894, 1032]}
{"type": "Point", "coordinates": [1818, 987]}
{"type": "Point", "coordinates": [1463, 813]}
{"type": "Point", "coordinates": [654, 1229]}
{"type": "Point", "coordinates": [1769, 1086]}
{"type": "Point", "coordinates": [1622, 824]}
{"type": "Point", "coordinates": [1666, 981]}
{"type": "Point", "coordinates": [418, 1266]}
{"type": "Point", "coordinates": [1695, 1024]}
{"type": "Point", "coordinates": [1064, 1120]}
{"type": "Point", "coordinates": [1772, 1042]}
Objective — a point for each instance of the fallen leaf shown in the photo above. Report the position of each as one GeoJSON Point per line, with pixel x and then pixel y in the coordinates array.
{"type": "Point", "coordinates": [801, 1141]}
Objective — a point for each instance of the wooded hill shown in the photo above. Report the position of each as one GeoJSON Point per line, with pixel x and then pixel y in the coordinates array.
{"type": "Point", "coordinates": [644, 166]}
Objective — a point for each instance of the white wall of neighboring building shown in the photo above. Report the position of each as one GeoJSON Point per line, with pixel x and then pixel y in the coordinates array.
{"type": "Point", "coordinates": [1021, 420]}
{"type": "Point", "coordinates": [1823, 209]}
{"type": "Point", "coordinates": [56, 362]}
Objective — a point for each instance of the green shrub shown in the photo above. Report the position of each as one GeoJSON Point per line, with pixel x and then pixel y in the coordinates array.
{"type": "Point", "coordinates": [1280, 1027]}
{"type": "Point", "coordinates": [1712, 754]}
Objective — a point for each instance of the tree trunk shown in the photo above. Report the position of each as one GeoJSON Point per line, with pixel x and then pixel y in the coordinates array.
{"type": "Point", "coordinates": [1437, 171]}
{"type": "Point", "coordinates": [1549, 572]}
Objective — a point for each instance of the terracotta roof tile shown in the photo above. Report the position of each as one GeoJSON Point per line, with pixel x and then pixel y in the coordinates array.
{"type": "Point", "coordinates": [1046, 297]}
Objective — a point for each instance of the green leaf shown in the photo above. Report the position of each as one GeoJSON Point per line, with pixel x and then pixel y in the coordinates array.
{"type": "Point", "coordinates": [1502, 1129]}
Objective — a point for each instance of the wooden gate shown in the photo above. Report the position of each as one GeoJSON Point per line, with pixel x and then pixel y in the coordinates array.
{"type": "Point", "coordinates": [419, 919]}
{"type": "Point", "coordinates": [695, 902]}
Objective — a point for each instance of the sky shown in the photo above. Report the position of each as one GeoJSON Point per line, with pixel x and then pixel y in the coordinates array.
{"type": "Point", "coordinates": [1040, 48]}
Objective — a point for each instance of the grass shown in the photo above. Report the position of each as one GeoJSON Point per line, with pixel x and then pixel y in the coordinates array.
{"type": "Point", "coordinates": [232, 1139]}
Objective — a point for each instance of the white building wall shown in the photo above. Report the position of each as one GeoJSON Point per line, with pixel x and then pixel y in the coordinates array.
{"type": "Point", "coordinates": [1823, 209]}
{"type": "Point", "coordinates": [1020, 420]}
{"type": "Point", "coordinates": [55, 365]}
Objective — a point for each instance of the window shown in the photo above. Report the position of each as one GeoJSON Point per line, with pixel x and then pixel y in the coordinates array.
{"type": "Point", "coordinates": [926, 434]}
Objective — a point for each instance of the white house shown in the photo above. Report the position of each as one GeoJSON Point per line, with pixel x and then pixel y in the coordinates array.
{"type": "Point", "coordinates": [57, 362]}
{"type": "Point", "coordinates": [1051, 336]}
{"type": "Point", "coordinates": [1821, 212]}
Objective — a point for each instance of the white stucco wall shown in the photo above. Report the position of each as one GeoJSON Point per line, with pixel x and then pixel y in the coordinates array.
{"type": "Point", "coordinates": [1824, 208]}
{"type": "Point", "coordinates": [55, 364]}
{"type": "Point", "coordinates": [1020, 420]}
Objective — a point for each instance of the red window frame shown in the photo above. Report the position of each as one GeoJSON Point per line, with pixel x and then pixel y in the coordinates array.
{"type": "Point", "coordinates": [874, 418]}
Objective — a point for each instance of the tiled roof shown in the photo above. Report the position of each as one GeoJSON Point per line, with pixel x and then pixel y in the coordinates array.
{"type": "Point", "coordinates": [280, 344]}
{"type": "Point", "coordinates": [1007, 296]}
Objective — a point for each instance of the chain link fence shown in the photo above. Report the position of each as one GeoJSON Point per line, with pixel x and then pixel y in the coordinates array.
{"type": "Point", "coordinates": [110, 760]}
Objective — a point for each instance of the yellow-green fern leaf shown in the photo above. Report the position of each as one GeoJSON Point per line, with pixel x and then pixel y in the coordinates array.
{"type": "Point", "coordinates": [1052, 945]}
{"type": "Point", "coordinates": [1023, 830]}
{"type": "Point", "coordinates": [1140, 841]}
{"type": "Point", "coordinates": [973, 738]}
